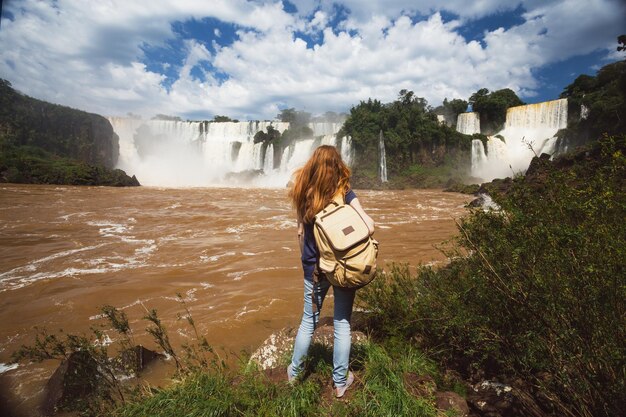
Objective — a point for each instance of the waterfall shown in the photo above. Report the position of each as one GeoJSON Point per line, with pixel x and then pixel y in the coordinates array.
{"type": "Point", "coordinates": [198, 154]}
{"type": "Point", "coordinates": [347, 152]}
{"type": "Point", "coordinates": [382, 165]}
{"type": "Point", "coordinates": [268, 162]}
{"type": "Point", "coordinates": [468, 123]}
{"type": "Point", "coordinates": [325, 128]}
{"type": "Point", "coordinates": [478, 153]}
{"type": "Point", "coordinates": [529, 130]}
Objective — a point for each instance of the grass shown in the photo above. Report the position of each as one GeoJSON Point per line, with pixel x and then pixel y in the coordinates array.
{"type": "Point", "coordinates": [379, 389]}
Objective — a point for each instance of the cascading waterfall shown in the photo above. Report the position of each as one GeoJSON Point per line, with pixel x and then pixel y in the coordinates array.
{"type": "Point", "coordinates": [176, 153]}
{"type": "Point", "coordinates": [347, 152]}
{"type": "Point", "coordinates": [268, 163]}
{"type": "Point", "coordinates": [529, 130]}
{"type": "Point", "coordinates": [468, 123]}
{"type": "Point", "coordinates": [382, 164]}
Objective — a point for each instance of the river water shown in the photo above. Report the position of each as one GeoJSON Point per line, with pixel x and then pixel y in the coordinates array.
{"type": "Point", "coordinates": [231, 253]}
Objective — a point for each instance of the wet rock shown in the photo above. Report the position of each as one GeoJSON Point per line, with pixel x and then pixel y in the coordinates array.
{"type": "Point", "coordinates": [494, 399]}
{"type": "Point", "coordinates": [77, 377]}
{"type": "Point", "coordinates": [280, 344]}
{"type": "Point", "coordinates": [451, 401]}
{"type": "Point", "coordinates": [484, 201]}
{"type": "Point", "coordinates": [135, 359]}
{"type": "Point", "coordinates": [538, 164]}
{"type": "Point", "coordinates": [497, 187]}
{"type": "Point", "coordinates": [244, 176]}
{"type": "Point", "coordinates": [74, 380]}
{"type": "Point", "coordinates": [273, 348]}
{"type": "Point", "coordinates": [454, 186]}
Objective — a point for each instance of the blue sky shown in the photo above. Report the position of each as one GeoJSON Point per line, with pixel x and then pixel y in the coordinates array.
{"type": "Point", "coordinates": [249, 59]}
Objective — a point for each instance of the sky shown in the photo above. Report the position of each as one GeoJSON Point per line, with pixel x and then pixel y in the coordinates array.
{"type": "Point", "coordinates": [250, 59]}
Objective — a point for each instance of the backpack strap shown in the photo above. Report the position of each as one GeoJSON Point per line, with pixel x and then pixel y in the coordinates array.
{"type": "Point", "coordinates": [316, 283]}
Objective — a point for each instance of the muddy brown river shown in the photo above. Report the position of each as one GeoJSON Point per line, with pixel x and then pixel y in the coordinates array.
{"type": "Point", "coordinates": [231, 253]}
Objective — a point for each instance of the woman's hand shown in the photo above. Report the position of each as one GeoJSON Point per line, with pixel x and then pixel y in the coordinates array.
{"type": "Point", "coordinates": [301, 236]}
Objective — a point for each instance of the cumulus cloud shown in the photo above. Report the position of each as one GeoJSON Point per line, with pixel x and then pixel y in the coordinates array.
{"type": "Point", "coordinates": [90, 55]}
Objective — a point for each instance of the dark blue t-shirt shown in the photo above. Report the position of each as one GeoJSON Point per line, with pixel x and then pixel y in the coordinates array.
{"type": "Point", "coordinates": [310, 254]}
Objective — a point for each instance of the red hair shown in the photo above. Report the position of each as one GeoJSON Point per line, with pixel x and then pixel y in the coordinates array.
{"type": "Point", "coordinates": [318, 181]}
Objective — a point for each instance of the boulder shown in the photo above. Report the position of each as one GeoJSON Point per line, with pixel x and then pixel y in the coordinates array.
{"type": "Point", "coordinates": [77, 377]}
{"type": "Point", "coordinates": [484, 201]}
{"type": "Point", "coordinates": [74, 380]}
{"type": "Point", "coordinates": [244, 176]}
{"type": "Point", "coordinates": [451, 401]}
{"type": "Point", "coordinates": [280, 344]}
{"type": "Point", "coordinates": [495, 399]}
{"type": "Point", "coordinates": [135, 359]}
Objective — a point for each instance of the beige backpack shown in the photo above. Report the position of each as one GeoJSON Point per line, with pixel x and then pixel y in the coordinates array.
{"type": "Point", "coordinates": [347, 251]}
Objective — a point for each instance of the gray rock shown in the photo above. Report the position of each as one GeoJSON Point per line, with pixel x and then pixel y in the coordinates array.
{"type": "Point", "coordinates": [494, 399]}
{"type": "Point", "coordinates": [451, 401]}
{"type": "Point", "coordinates": [280, 344]}
{"type": "Point", "coordinates": [75, 379]}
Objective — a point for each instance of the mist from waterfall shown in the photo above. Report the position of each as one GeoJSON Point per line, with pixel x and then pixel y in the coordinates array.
{"type": "Point", "coordinates": [529, 130]}
{"type": "Point", "coordinates": [198, 154]}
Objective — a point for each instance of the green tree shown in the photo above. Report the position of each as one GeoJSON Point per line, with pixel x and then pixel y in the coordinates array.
{"type": "Point", "coordinates": [478, 94]}
{"type": "Point", "coordinates": [294, 117]}
{"type": "Point", "coordinates": [272, 135]}
{"type": "Point", "coordinates": [413, 137]}
{"type": "Point", "coordinates": [604, 98]}
{"type": "Point", "coordinates": [451, 109]}
{"type": "Point", "coordinates": [167, 117]}
{"type": "Point", "coordinates": [492, 107]}
{"type": "Point", "coordinates": [220, 119]}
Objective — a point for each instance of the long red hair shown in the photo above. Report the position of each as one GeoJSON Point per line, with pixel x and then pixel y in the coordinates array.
{"type": "Point", "coordinates": [318, 181]}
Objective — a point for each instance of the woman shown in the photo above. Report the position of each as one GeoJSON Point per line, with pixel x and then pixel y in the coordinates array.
{"type": "Point", "coordinates": [323, 177]}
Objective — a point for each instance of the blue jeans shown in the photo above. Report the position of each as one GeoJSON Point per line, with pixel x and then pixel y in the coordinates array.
{"type": "Point", "coordinates": [344, 298]}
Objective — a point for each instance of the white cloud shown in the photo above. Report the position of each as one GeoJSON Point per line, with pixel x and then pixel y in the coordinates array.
{"type": "Point", "coordinates": [89, 54]}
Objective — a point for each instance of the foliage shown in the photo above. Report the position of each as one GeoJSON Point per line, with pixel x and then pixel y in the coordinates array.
{"type": "Point", "coordinates": [296, 133]}
{"type": "Point", "coordinates": [413, 137]}
{"type": "Point", "coordinates": [222, 119]}
{"type": "Point", "coordinates": [95, 371]}
{"type": "Point", "coordinates": [167, 117]}
{"type": "Point", "coordinates": [272, 135]}
{"type": "Point", "coordinates": [25, 121]}
{"type": "Point", "coordinates": [47, 143]}
{"type": "Point", "coordinates": [492, 107]}
{"type": "Point", "coordinates": [451, 109]}
{"type": "Point", "coordinates": [31, 164]}
{"type": "Point", "coordinates": [294, 117]}
{"type": "Point", "coordinates": [604, 96]}
{"type": "Point", "coordinates": [104, 374]}
{"type": "Point", "coordinates": [535, 290]}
